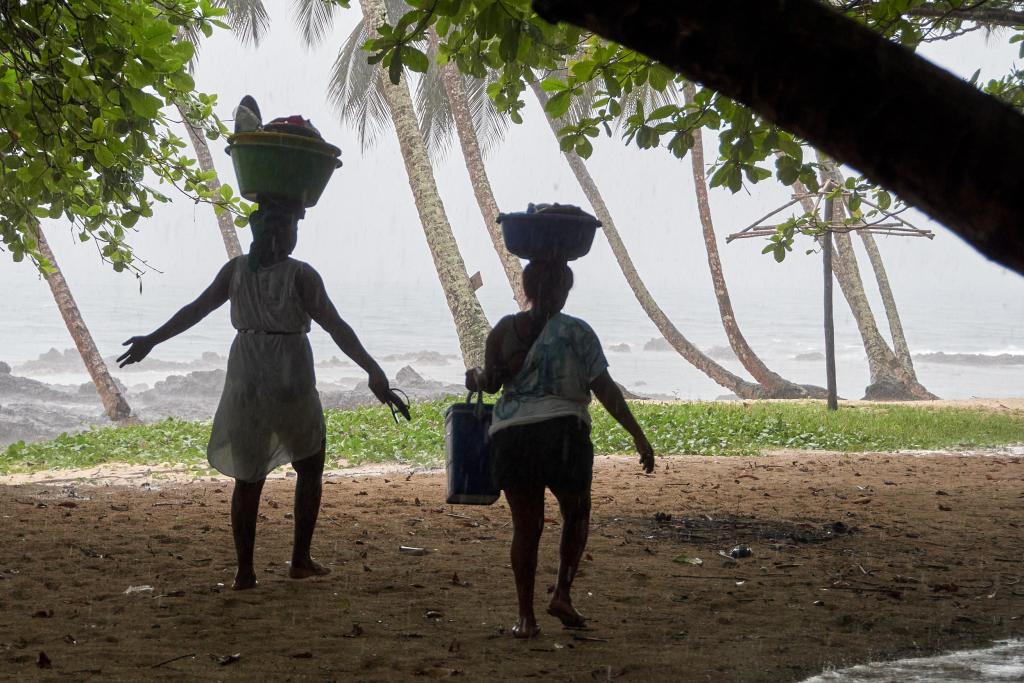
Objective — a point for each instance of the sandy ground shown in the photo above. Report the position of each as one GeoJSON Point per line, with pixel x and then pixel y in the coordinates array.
{"type": "Point", "coordinates": [855, 558]}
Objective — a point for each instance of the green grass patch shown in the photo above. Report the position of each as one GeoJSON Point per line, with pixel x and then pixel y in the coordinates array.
{"type": "Point", "coordinates": [368, 435]}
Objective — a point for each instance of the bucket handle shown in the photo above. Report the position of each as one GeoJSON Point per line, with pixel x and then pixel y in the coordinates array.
{"type": "Point", "coordinates": [479, 402]}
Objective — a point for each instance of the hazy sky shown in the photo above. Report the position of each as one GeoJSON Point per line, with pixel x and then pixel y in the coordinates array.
{"type": "Point", "coordinates": [366, 230]}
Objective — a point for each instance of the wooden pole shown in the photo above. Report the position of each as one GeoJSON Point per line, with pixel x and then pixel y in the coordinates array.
{"type": "Point", "coordinates": [830, 329]}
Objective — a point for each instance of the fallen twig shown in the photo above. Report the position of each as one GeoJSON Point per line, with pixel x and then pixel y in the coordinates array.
{"type": "Point", "coordinates": [724, 578]}
{"type": "Point", "coordinates": [172, 659]}
{"type": "Point", "coordinates": [891, 592]}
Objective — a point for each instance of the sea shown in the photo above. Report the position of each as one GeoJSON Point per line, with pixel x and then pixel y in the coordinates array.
{"type": "Point", "coordinates": [397, 322]}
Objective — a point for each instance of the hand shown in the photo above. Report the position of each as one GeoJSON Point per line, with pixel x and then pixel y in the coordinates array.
{"type": "Point", "coordinates": [139, 348]}
{"type": "Point", "coordinates": [643, 447]}
{"type": "Point", "coordinates": [474, 376]}
{"type": "Point", "coordinates": [382, 390]}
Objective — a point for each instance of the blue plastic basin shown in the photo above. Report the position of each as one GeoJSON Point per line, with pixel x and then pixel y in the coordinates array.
{"type": "Point", "coordinates": [548, 235]}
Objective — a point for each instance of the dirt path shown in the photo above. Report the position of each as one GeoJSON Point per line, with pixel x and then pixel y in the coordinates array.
{"type": "Point", "coordinates": [855, 558]}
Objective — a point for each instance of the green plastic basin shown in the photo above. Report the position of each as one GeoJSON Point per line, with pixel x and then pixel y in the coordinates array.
{"type": "Point", "coordinates": [282, 165]}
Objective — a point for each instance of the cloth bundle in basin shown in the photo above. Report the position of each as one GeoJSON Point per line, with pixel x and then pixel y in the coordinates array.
{"type": "Point", "coordinates": [286, 158]}
{"type": "Point", "coordinates": [549, 232]}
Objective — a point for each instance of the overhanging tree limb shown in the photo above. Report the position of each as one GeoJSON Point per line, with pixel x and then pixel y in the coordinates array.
{"type": "Point", "coordinates": [935, 140]}
{"type": "Point", "coordinates": [979, 15]}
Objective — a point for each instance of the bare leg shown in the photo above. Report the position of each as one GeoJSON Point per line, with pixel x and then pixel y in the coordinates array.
{"type": "Point", "coordinates": [575, 508]}
{"type": "Point", "coordinates": [308, 490]}
{"type": "Point", "coordinates": [245, 505]}
{"type": "Point", "coordinates": [527, 507]}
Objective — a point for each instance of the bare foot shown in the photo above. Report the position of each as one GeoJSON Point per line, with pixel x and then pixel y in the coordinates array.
{"type": "Point", "coordinates": [306, 569]}
{"type": "Point", "coordinates": [244, 580]}
{"type": "Point", "coordinates": [562, 609]}
{"type": "Point", "coordinates": [526, 629]}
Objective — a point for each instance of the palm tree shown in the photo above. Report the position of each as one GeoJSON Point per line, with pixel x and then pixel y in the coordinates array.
{"type": "Point", "coordinates": [446, 102]}
{"type": "Point", "coordinates": [367, 99]}
{"type": "Point", "coordinates": [248, 19]}
{"type": "Point", "coordinates": [447, 99]}
{"type": "Point", "coordinates": [225, 222]}
{"type": "Point", "coordinates": [890, 379]}
{"type": "Point", "coordinates": [678, 341]}
{"type": "Point", "coordinates": [774, 385]}
{"type": "Point", "coordinates": [114, 403]}
{"type": "Point", "coordinates": [892, 314]}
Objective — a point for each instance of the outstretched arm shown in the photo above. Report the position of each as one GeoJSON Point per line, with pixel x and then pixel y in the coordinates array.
{"type": "Point", "coordinates": [610, 396]}
{"type": "Point", "coordinates": [319, 307]}
{"type": "Point", "coordinates": [212, 298]}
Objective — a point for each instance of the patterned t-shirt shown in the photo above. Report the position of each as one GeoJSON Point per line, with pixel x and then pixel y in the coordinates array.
{"type": "Point", "coordinates": [555, 378]}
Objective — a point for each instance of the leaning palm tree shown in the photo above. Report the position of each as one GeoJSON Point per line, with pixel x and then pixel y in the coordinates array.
{"type": "Point", "coordinates": [248, 19]}
{"type": "Point", "coordinates": [114, 403]}
{"type": "Point", "coordinates": [769, 384]}
{"type": "Point", "coordinates": [890, 378]}
{"type": "Point", "coordinates": [449, 101]}
{"type": "Point", "coordinates": [675, 338]}
{"type": "Point", "coordinates": [441, 95]}
{"type": "Point", "coordinates": [775, 386]}
{"type": "Point", "coordinates": [892, 314]}
{"type": "Point", "coordinates": [367, 99]}
{"type": "Point", "coordinates": [448, 104]}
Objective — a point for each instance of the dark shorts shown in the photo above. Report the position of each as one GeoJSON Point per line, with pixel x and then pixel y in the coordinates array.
{"type": "Point", "coordinates": [555, 453]}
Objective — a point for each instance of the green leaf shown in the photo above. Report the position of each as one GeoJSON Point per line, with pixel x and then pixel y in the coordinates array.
{"type": "Point", "coordinates": [663, 112]}
{"type": "Point", "coordinates": [660, 76]}
{"type": "Point", "coordinates": [103, 155]}
{"type": "Point", "coordinates": [558, 105]}
{"type": "Point", "coordinates": [415, 59]}
{"type": "Point", "coordinates": [584, 148]}
{"type": "Point", "coordinates": [509, 46]}
{"type": "Point", "coordinates": [548, 85]}
{"type": "Point", "coordinates": [395, 67]}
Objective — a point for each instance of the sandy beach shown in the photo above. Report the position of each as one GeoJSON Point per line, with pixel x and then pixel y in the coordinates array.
{"type": "Point", "coordinates": [855, 558]}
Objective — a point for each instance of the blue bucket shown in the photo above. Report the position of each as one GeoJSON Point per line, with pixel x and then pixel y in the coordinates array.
{"type": "Point", "coordinates": [553, 232]}
{"type": "Point", "coordinates": [468, 456]}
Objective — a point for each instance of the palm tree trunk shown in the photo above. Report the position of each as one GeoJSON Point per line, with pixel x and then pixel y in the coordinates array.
{"type": "Point", "coordinates": [470, 322]}
{"type": "Point", "coordinates": [781, 59]}
{"type": "Point", "coordinates": [774, 385]}
{"type": "Point", "coordinates": [224, 221]}
{"type": "Point", "coordinates": [453, 86]}
{"type": "Point", "coordinates": [889, 379]}
{"type": "Point", "coordinates": [114, 402]}
{"type": "Point", "coordinates": [680, 343]}
{"type": "Point", "coordinates": [899, 339]}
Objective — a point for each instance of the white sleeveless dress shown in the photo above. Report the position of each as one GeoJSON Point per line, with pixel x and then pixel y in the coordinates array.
{"type": "Point", "coordinates": [270, 412]}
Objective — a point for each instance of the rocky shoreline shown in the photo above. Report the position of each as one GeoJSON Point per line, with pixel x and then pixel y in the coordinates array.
{"type": "Point", "coordinates": [34, 410]}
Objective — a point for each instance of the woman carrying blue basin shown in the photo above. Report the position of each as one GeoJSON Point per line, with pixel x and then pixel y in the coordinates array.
{"type": "Point", "coordinates": [548, 363]}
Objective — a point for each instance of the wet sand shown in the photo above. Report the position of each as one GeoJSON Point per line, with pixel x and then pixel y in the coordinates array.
{"type": "Point", "coordinates": [926, 558]}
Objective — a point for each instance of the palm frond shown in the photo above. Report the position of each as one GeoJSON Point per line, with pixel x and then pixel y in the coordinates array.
{"type": "Point", "coordinates": [248, 19]}
{"type": "Point", "coordinates": [490, 124]}
{"type": "Point", "coordinates": [582, 106]}
{"type": "Point", "coordinates": [433, 108]}
{"type": "Point", "coordinates": [356, 89]}
{"type": "Point", "coordinates": [314, 19]}
{"type": "Point", "coordinates": [191, 34]}
{"type": "Point", "coordinates": [651, 100]}
{"type": "Point", "coordinates": [395, 9]}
